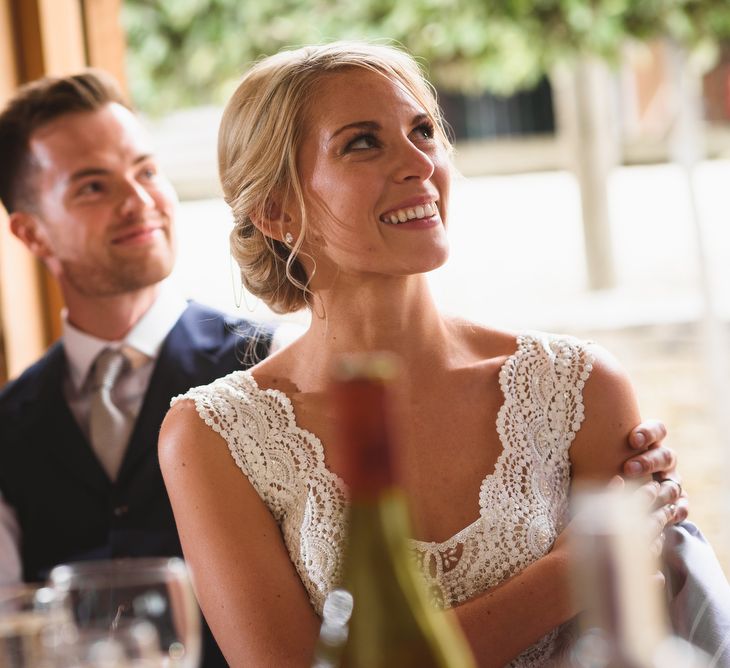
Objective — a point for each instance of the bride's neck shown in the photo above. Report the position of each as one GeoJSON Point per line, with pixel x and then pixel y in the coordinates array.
{"type": "Point", "coordinates": [404, 321]}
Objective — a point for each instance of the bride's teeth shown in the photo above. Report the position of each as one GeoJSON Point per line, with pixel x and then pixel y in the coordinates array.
{"type": "Point", "coordinates": [403, 215]}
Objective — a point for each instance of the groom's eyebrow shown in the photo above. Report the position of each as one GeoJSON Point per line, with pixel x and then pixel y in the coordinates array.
{"type": "Point", "coordinates": [102, 171]}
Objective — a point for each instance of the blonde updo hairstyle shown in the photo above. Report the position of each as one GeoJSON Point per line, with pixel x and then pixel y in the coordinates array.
{"type": "Point", "coordinates": [259, 138]}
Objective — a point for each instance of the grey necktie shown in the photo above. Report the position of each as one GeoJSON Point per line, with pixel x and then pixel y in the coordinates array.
{"type": "Point", "coordinates": [109, 427]}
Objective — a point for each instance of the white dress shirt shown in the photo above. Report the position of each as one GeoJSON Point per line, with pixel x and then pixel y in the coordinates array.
{"type": "Point", "coordinates": [142, 346]}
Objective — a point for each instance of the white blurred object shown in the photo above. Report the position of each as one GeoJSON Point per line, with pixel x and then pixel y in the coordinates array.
{"type": "Point", "coordinates": [141, 612]}
{"type": "Point", "coordinates": [35, 628]}
{"type": "Point", "coordinates": [128, 645]}
{"type": "Point", "coordinates": [624, 623]}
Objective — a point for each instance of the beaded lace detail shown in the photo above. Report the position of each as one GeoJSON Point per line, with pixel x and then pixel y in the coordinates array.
{"type": "Point", "coordinates": [523, 503]}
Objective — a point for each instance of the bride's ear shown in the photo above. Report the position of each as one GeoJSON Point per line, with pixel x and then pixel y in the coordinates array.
{"type": "Point", "coordinates": [272, 220]}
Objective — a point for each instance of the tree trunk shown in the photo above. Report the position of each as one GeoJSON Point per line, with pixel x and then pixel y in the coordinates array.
{"type": "Point", "coordinates": [687, 145]}
{"type": "Point", "coordinates": [586, 116]}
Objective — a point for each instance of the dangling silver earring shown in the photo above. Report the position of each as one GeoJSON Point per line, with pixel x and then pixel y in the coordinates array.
{"type": "Point", "coordinates": [289, 238]}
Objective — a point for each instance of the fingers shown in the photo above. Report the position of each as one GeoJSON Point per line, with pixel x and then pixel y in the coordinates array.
{"type": "Point", "coordinates": [662, 503]}
{"type": "Point", "coordinates": [648, 436]}
{"type": "Point", "coordinates": [616, 483]}
{"type": "Point", "coordinates": [666, 501]}
{"type": "Point", "coordinates": [670, 492]}
{"type": "Point", "coordinates": [659, 519]}
{"type": "Point", "coordinates": [657, 546]}
{"type": "Point", "coordinates": [648, 494]}
{"type": "Point", "coordinates": [671, 498]}
{"type": "Point", "coordinates": [657, 459]}
{"type": "Point", "coordinates": [682, 508]}
{"type": "Point", "coordinates": [649, 432]}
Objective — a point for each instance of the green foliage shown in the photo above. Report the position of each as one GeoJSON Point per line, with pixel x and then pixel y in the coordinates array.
{"type": "Point", "coordinates": [189, 52]}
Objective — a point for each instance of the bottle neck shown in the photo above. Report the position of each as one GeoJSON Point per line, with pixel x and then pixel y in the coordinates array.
{"type": "Point", "coordinates": [384, 515]}
{"type": "Point", "coordinates": [367, 465]}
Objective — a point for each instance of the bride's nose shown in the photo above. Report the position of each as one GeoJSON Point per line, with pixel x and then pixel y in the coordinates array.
{"type": "Point", "coordinates": [411, 162]}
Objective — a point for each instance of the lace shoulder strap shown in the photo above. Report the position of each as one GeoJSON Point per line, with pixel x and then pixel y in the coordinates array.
{"type": "Point", "coordinates": [247, 419]}
{"type": "Point", "coordinates": [543, 387]}
{"type": "Point", "coordinates": [286, 466]}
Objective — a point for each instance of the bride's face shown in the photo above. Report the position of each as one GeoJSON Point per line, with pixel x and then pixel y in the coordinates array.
{"type": "Point", "coordinates": [375, 178]}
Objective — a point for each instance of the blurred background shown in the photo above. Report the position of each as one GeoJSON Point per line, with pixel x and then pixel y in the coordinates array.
{"type": "Point", "coordinates": [593, 149]}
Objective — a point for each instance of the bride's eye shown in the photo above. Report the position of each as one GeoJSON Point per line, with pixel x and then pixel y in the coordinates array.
{"type": "Point", "coordinates": [362, 142]}
{"type": "Point", "coordinates": [425, 130]}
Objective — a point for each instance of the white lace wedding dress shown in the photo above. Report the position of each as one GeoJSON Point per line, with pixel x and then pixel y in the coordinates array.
{"type": "Point", "coordinates": [523, 503]}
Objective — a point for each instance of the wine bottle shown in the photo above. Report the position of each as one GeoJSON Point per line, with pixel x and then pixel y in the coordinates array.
{"type": "Point", "coordinates": [382, 617]}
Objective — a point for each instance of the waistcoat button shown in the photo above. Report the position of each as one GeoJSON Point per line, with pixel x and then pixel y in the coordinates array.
{"type": "Point", "coordinates": [120, 511]}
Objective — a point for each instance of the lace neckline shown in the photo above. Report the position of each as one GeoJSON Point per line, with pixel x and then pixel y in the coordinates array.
{"type": "Point", "coordinates": [318, 448]}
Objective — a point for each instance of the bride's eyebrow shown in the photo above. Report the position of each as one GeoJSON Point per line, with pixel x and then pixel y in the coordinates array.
{"type": "Point", "coordinates": [371, 126]}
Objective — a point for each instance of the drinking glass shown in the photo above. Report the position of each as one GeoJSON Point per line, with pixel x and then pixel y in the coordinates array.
{"type": "Point", "coordinates": [142, 610]}
{"type": "Point", "coordinates": [36, 628]}
{"type": "Point", "coordinates": [130, 645]}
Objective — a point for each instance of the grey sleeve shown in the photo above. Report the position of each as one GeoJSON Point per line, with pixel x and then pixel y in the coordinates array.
{"type": "Point", "coordinates": [699, 604]}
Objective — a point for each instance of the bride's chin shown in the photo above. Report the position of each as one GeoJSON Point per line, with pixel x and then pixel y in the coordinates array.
{"type": "Point", "coordinates": [438, 257]}
{"type": "Point", "coordinates": [428, 264]}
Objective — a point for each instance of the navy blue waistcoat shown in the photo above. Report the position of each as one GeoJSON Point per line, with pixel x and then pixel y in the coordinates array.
{"type": "Point", "coordinates": [67, 507]}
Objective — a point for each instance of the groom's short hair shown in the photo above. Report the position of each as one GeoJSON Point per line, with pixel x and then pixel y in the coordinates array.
{"type": "Point", "coordinates": [34, 105]}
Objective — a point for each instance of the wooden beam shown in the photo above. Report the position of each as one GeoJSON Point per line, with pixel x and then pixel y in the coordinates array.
{"type": "Point", "coordinates": [8, 58]}
{"type": "Point", "coordinates": [8, 83]}
{"type": "Point", "coordinates": [22, 309]}
{"type": "Point", "coordinates": [106, 43]}
{"type": "Point", "coordinates": [51, 37]}
{"type": "Point", "coordinates": [40, 38]}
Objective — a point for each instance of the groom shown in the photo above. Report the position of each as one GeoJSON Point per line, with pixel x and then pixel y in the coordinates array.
{"type": "Point", "coordinates": [79, 477]}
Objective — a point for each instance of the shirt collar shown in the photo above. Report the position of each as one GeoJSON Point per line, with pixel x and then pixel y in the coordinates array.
{"type": "Point", "coordinates": [142, 343]}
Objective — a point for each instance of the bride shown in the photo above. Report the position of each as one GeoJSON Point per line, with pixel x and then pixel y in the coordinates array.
{"type": "Point", "coordinates": [336, 165]}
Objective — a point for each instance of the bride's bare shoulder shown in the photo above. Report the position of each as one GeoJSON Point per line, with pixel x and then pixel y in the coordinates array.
{"type": "Point", "coordinates": [183, 434]}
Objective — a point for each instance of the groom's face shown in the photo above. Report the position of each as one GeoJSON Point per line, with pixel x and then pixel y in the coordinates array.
{"type": "Point", "coordinates": [104, 212]}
